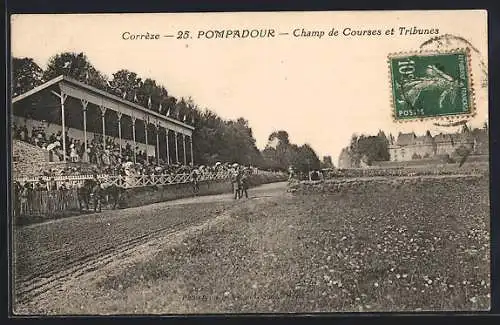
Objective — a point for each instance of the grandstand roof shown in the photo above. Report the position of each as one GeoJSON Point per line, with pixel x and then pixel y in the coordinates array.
{"type": "Point", "coordinates": [77, 89]}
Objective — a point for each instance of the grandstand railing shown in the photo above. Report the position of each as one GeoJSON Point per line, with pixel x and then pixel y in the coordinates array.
{"type": "Point", "coordinates": [132, 181]}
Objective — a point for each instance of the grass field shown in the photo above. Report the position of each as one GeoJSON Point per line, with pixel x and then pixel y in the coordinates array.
{"type": "Point", "coordinates": [413, 248]}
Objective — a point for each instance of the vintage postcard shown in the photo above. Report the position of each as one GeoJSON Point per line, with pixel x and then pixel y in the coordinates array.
{"type": "Point", "coordinates": [271, 162]}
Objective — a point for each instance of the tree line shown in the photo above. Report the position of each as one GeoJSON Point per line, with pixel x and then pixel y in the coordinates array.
{"type": "Point", "coordinates": [214, 138]}
{"type": "Point", "coordinates": [368, 148]}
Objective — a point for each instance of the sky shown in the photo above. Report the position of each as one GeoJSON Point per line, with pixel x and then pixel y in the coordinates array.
{"type": "Point", "coordinates": [320, 90]}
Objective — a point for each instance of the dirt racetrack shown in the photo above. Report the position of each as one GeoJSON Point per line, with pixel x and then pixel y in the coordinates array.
{"type": "Point", "coordinates": [422, 247]}
{"type": "Point", "coordinates": [47, 253]}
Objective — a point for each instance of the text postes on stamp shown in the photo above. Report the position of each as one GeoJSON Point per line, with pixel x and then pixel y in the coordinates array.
{"type": "Point", "coordinates": [428, 85]}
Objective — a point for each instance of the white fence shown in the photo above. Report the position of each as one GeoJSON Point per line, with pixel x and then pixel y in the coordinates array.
{"type": "Point", "coordinates": [142, 180]}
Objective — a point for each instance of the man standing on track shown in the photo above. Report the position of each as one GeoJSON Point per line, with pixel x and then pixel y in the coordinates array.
{"type": "Point", "coordinates": [244, 183]}
{"type": "Point", "coordinates": [291, 173]}
{"type": "Point", "coordinates": [194, 180]}
{"type": "Point", "coordinates": [235, 180]}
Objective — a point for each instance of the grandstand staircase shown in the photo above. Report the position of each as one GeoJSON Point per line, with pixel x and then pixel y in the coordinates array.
{"type": "Point", "coordinates": [29, 161]}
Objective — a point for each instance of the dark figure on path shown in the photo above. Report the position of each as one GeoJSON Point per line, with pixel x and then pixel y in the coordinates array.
{"type": "Point", "coordinates": [244, 185]}
{"type": "Point", "coordinates": [235, 180]}
{"type": "Point", "coordinates": [83, 193]}
{"type": "Point", "coordinates": [95, 193]}
{"type": "Point", "coordinates": [194, 181]}
{"type": "Point", "coordinates": [90, 191]}
{"type": "Point", "coordinates": [111, 192]}
{"type": "Point", "coordinates": [291, 174]}
{"type": "Point", "coordinates": [103, 192]}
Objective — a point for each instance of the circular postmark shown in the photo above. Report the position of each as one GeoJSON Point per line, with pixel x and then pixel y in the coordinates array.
{"type": "Point", "coordinates": [448, 42]}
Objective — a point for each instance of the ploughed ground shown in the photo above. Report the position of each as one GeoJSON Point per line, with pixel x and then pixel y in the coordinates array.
{"type": "Point", "coordinates": [419, 247]}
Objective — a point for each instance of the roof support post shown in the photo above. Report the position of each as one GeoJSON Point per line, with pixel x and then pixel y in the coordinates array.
{"type": "Point", "coordinates": [146, 123]}
{"type": "Point", "coordinates": [119, 115]}
{"type": "Point", "coordinates": [157, 142]}
{"type": "Point", "coordinates": [191, 145]}
{"type": "Point", "coordinates": [62, 96]}
{"type": "Point", "coordinates": [103, 114]}
{"type": "Point", "coordinates": [184, 148]}
{"type": "Point", "coordinates": [133, 135]}
{"type": "Point", "coordinates": [84, 108]}
{"type": "Point", "coordinates": [63, 99]}
{"type": "Point", "coordinates": [168, 151]}
{"type": "Point", "coordinates": [176, 148]}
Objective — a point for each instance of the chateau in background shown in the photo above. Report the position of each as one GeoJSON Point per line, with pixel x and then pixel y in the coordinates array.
{"type": "Point", "coordinates": [409, 146]}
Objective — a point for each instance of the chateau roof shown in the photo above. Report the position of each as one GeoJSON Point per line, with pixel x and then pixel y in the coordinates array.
{"type": "Point", "coordinates": [442, 138]}
{"type": "Point", "coordinates": [405, 139]}
{"type": "Point", "coordinates": [424, 139]}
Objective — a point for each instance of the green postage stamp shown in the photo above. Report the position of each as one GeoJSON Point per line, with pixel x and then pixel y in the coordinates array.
{"type": "Point", "coordinates": [431, 85]}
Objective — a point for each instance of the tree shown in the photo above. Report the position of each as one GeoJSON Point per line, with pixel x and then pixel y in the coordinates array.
{"type": "Point", "coordinates": [307, 159]}
{"type": "Point", "coordinates": [169, 106]}
{"type": "Point", "coordinates": [26, 75]}
{"type": "Point", "coordinates": [382, 137]}
{"type": "Point", "coordinates": [77, 66]}
{"type": "Point", "coordinates": [216, 139]}
{"type": "Point", "coordinates": [149, 94]}
{"type": "Point", "coordinates": [163, 100]}
{"type": "Point", "coordinates": [240, 142]}
{"type": "Point", "coordinates": [281, 136]}
{"type": "Point", "coordinates": [125, 84]}
{"type": "Point", "coordinates": [280, 140]}
{"type": "Point", "coordinates": [280, 154]}
{"type": "Point", "coordinates": [181, 109]}
{"type": "Point", "coordinates": [327, 162]}
{"type": "Point", "coordinates": [269, 158]}
{"type": "Point", "coordinates": [354, 152]}
{"type": "Point", "coordinates": [208, 138]}
{"type": "Point", "coordinates": [372, 148]}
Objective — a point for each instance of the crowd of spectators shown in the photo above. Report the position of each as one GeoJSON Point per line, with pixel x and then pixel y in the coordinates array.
{"type": "Point", "coordinates": [105, 157]}
{"type": "Point", "coordinates": [47, 181]}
